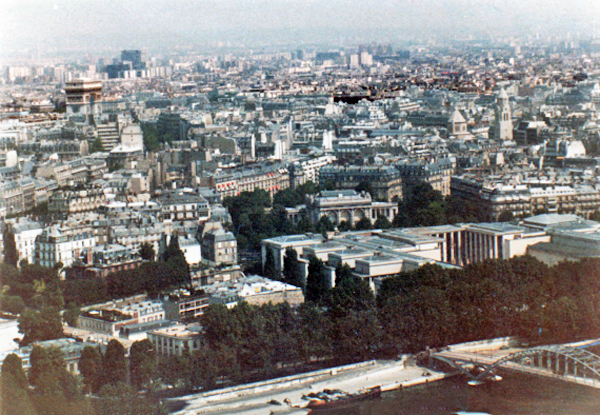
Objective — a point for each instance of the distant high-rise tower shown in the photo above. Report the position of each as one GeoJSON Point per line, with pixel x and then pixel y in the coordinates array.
{"type": "Point", "coordinates": [84, 96]}
{"type": "Point", "coordinates": [503, 125]}
{"type": "Point", "coordinates": [136, 57]}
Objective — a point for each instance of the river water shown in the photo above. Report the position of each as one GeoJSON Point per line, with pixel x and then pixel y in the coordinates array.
{"type": "Point", "coordinates": [516, 394]}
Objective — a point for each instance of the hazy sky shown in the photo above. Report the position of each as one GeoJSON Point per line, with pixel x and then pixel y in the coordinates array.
{"type": "Point", "coordinates": [60, 24]}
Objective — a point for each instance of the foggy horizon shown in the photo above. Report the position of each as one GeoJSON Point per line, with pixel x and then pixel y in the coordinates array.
{"type": "Point", "coordinates": [103, 25]}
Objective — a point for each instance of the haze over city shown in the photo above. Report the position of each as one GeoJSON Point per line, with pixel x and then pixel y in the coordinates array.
{"type": "Point", "coordinates": [95, 26]}
{"type": "Point", "coordinates": [274, 207]}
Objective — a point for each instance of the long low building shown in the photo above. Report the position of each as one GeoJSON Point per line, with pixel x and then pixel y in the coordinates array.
{"type": "Point", "coordinates": [269, 177]}
{"type": "Point", "coordinates": [377, 254]}
{"type": "Point", "coordinates": [494, 196]}
{"type": "Point", "coordinates": [254, 290]}
{"type": "Point", "coordinates": [348, 206]}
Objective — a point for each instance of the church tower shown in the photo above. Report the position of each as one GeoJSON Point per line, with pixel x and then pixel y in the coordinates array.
{"type": "Point", "coordinates": [457, 125]}
{"type": "Point", "coordinates": [503, 125]}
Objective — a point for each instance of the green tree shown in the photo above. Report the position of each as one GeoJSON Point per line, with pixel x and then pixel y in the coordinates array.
{"type": "Point", "coordinates": [14, 399]}
{"type": "Point", "coordinates": [356, 336]}
{"type": "Point", "coordinates": [269, 270]}
{"type": "Point", "coordinates": [150, 136]}
{"type": "Point", "coordinates": [67, 381]}
{"type": "Point", "coordinates": [71, 314]}
{"type": "Point", "coordinates": [142, 363]}
{"type": "Point", "coordinates": [325, 225]}
{"type": "Point", "coordinates": [382, 222]}
{"type": "Point", "coordinates": [292, 197]}
{"type": "Point", "coordinates": [364, 224]}
{"type": "Point", "coordinates": [40, 325]}
{"type": "Point", "coordinates": [350, 293]}
{"type": "Point", "coordinates": [43, 374]}
{"type": "Point", "coordinates": [595, 216]}
{"type": "Point", "coordinates": [175, 370]}
{"type": "Point", "coordinates": [114, 365]}
{"type": "Point", "coordinates": [147, 251]}
{"type": "Point", "coordinates": [345, 226]}
{"type": "Point", "coordinates": [211, 365]}
{"type": "Point", "coordinates": [11, 255]}
{"type": "Point", "coordinates": [176, 263]}
{"type": "Point", "coordinates": [317, 282]}
{"type": "Point", "coordinates": [172, 249]}
{"type": "Point", "coordinates": [423, 206]}
{"type": "Point", "coordinates": [96, 146]}
{"type": "Point", "coordinates": [506, 216]}
{"type": "Point", "coordinates": [121, 399]}
{"type": "Point", "coordinates": [90, 366]}
{"type": "Point", "coordinates": [316, 341]}
{"type": "Point", "coordinates": [365, 187]}
{"type": "Point", "coordinates": [292, 271]}
{"type": "Point", "coordinates": [12, 303]}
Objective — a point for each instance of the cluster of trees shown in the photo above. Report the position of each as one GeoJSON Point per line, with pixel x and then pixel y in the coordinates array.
{"type": "Point", "coordinates": [151, 277]}
{"type": "Point", "coordinates": [424, 206]}
{"type": "Point", "coordinates": [249, 343]}
{"type": "Point", "coordinates": [38, 295]}
{"type": "Point", "coordinates": [255, 217]}
{"type": "Point", "coordinates": [101, 372]}
{"type": "Point", "coordinates": [153, 139]}
{"type": "Point", "coordinates": [431, 306]}
{"type": "Point", "coordinates": [50, 389]}
{"type": "Point", "coordinates": [96, 145]}
{"type": "Point", "coordinates": [294, 196]}
{"type": "Point", "coordinates": [35, 293]}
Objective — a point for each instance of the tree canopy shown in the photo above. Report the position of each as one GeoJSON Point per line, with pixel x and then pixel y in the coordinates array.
{"type": "Point", "coordinates": [11, 255]}
{"type": "Point", "coordinates": [14, 399]}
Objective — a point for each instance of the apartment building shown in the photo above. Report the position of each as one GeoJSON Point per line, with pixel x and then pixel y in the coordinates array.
{"type": "Point", "coordinates": [61, 244]}
{"type": "Point", "coordinates": [384, 181]}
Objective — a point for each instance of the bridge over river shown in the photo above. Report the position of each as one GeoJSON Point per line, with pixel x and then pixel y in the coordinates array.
{"type": "Point", "coordinates": [566, 362]}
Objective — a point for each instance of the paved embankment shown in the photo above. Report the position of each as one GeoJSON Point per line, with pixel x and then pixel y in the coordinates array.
{"type": "Point", "coordinates": [254, 398]}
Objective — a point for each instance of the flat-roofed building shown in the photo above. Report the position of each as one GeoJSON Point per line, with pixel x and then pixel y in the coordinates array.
{"type": "Point", "coordinates": [279, 244]}
{"type": "Point", "coordinates": [254, 290]}
{"type": "Point", "coordinates": [111, 319]}
{"type": "Point", "coordinates": [185, 306]}
{"type": "Point", "coordinates": [176, 340]}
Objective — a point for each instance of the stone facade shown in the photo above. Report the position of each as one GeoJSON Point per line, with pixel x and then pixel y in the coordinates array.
{"type": "Point", "coordinates": [385, 181]}
{"type": "Point", "coordinates": [348, 206]}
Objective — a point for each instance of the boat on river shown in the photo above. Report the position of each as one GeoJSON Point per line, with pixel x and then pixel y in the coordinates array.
{"type": "Point", "coordinates": [339, 399]}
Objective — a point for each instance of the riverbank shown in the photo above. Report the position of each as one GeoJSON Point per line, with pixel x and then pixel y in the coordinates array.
{"type": "Point", "coordinates": [254, 398]}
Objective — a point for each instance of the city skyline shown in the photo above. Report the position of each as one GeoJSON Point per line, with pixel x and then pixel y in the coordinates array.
{"type": "Point", "coordinates": [102, 25]}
